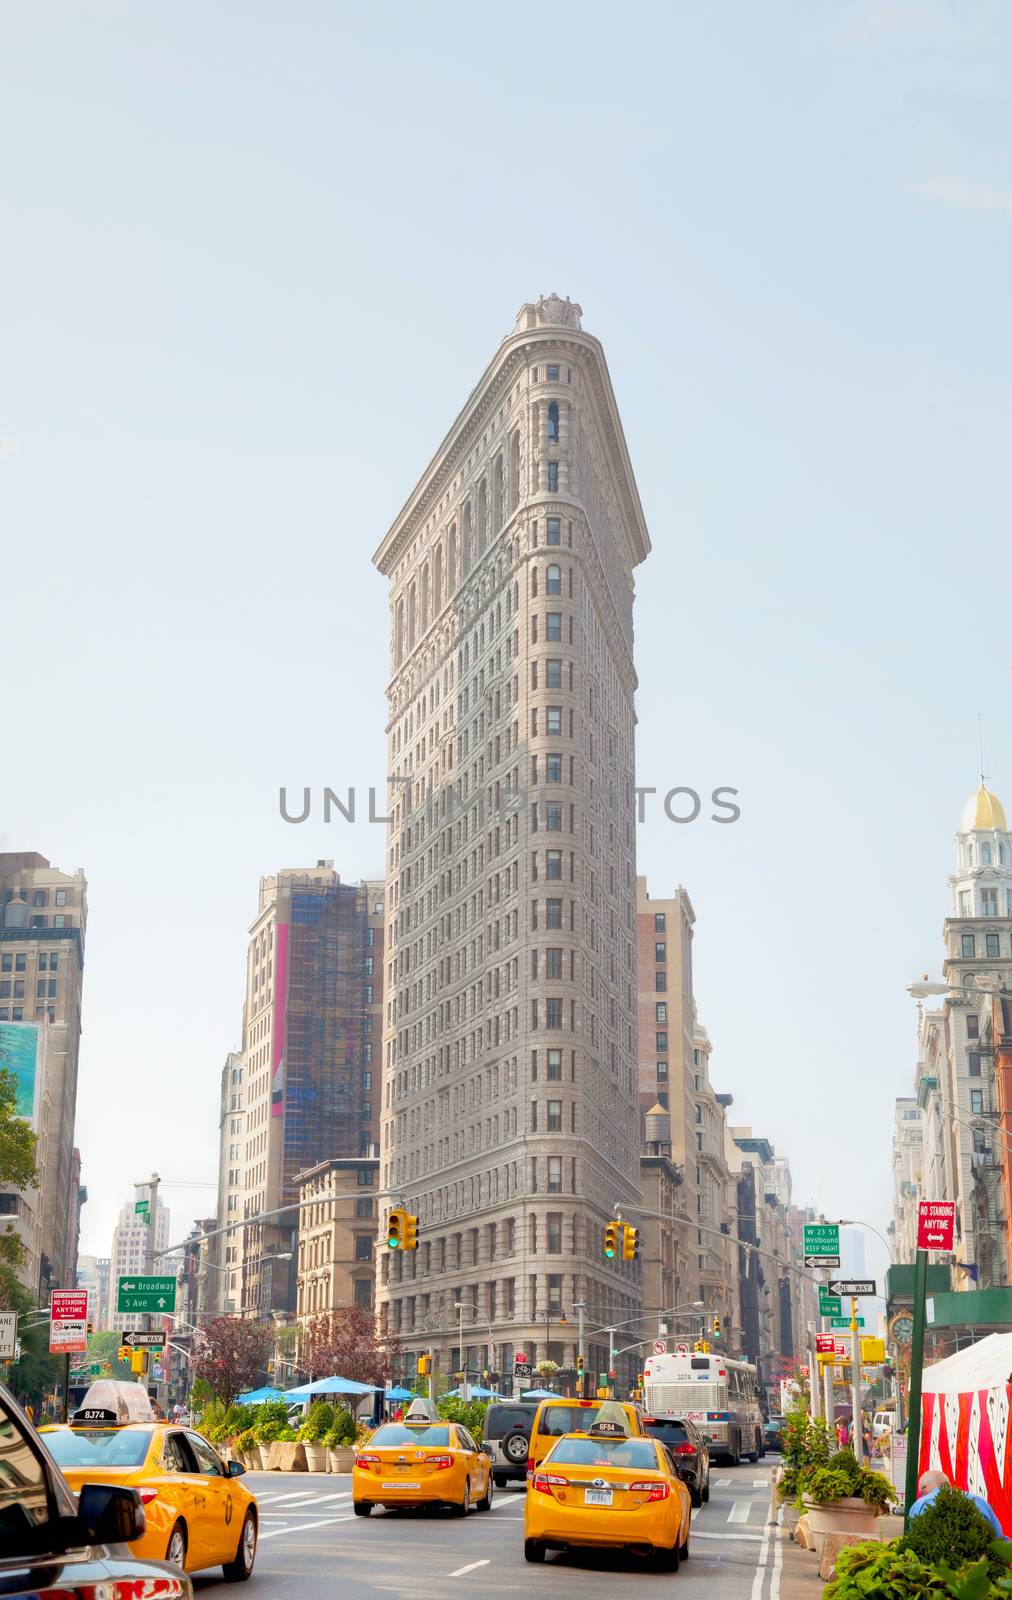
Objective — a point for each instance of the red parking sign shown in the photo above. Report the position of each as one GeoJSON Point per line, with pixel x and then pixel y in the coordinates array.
{"type": "Point", "coordinates": [825, 1344]}
{"type": "Point", "coordinates": [936, 1220]}
{"type": "Point", "coordinates": [68, 1322]}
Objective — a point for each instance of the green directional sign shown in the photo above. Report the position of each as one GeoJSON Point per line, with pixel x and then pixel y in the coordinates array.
{"type": "Point", "coordinates": [822, 1238]}
{"type": "Point", "coordinates": [153, 1295]}
{"type": "Point", "coordinates": [830, 1305]}
{"type": "Point", "coordinates": [844, 1322]}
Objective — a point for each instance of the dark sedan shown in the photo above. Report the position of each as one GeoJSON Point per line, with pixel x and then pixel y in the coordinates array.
{"type": "Point", "coordinates": [688, 1450]}
{"type": "Point", "coordinates": [52, 1544]}
{"type": "Point", "coordinates": [773, 1432]}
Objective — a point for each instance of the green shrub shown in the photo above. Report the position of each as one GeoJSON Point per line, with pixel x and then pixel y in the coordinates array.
{"type": "Point", "coordinates": [469, 1413]}
{"type": "Point", "coordinates": [884, 1572]}
{"type": "Point", "coordinates": [318, 1421]}
{"type": "Point", "coordinates": [344, 1432]}
{"type": "Point", "coordinates": [807, 1443]}
{"type": "Point", "coordinates": [952, 1530]}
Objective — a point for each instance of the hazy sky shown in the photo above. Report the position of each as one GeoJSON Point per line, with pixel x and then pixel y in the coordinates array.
{"type": "Point", "coordinates": [254, 259]}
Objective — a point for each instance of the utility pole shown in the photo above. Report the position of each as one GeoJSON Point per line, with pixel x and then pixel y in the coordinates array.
{"type": "Point", "coordinates": [855, 1380]}
{"type": "Point", "coordinates": [580, 1306]}
{"type": "Point", "coordinates": [611, 1359]}
{"type": "Point", "coordinates": [149, 1250]}
{"type": "Point", "coordinates": [432, 1375]}
{"type": "Point", "coordinates": [814, 1391]}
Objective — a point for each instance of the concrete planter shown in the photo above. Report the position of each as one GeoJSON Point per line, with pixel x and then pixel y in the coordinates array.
{"type": "Point", "coordinates": [254, 1457]}
{"type": "Point", "coordinates": [850, 1515]}
{"type": "Point", "coordinates": [316, 1457]}
{"type": "Point", "coordinates": [286, 1457]}
{"type": "Point", "coordinates": [340, 1460]}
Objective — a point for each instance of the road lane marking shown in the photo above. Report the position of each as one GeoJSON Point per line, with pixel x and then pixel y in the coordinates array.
{"type": "Point", "coordinates": [760, 1483]}
{"type": "Point", "coordinates": [739, 1538]}
{"type": "Point", "coordinates": [298, 1494]}
{"type": "Point", "coordinates": [739, 1511]}
{"type": "Point", "coordinates": [723, 1483]}
{"type": "Point", "coordinates": [778, 1557]}
{"type": "Point", "coordinates": [304, 1527]}
{"type": "Point", "coordinates": [318, 1499]}
{"type": "Point", "coordinates": [461, 1570]}
{"type": "Point", "coordinates": [760, 1570]}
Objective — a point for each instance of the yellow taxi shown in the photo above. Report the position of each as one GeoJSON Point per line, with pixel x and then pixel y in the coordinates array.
{"type": "Point", "coordinates": [609, 1488]}
{"type": "Point", "coordinates": [421, 1461]}
{"type": "Point", "coordinates": [197, 1513]}
{"type": "Point", "coordinates": [554, 1418]}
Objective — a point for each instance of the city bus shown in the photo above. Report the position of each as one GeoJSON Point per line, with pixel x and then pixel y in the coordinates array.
{"type": "Point", "coordinates": [717, 1394]}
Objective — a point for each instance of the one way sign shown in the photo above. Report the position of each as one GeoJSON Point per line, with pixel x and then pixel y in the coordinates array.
{"type": "Point", "coordinates": [844, 1286]}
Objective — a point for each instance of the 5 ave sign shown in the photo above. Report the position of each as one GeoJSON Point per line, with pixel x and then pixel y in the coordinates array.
{"type": "Point", "coordinates": [152, 1295]}
{"type": "Point", "coordinates": [936, 1220]}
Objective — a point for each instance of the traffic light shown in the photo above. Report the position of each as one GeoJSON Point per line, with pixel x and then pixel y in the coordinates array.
{"type": "Point", "coordinates": [123, 1353]}
{"type": "Point", "coordinates": [91, 1329]}
{"type": "Point", "coordinates": [395, 1229]}
{"type": "Point", "coordinates": [138, 1360]}
{"type": "Point", "coordinates": [409, 1233]}
{"type": "Point", "coordinates": [630, 1243]}
{"type": "Point", "coordinates": [424, 1366]}
{"type": "Point", "coordinates": [611, 1240]}
{"type": "Point", "coordinates": [716, 1327]}
{"type": "Point", "coordinates": [580, 1364]}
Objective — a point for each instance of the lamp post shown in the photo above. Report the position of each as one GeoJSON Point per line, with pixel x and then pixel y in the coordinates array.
{"type": "Point", "coordinates": [580, 1306]}
{"type": "Point", "coordinates": [459, 1308]}
{"type": "Point", "coordinates": [560, 1319]}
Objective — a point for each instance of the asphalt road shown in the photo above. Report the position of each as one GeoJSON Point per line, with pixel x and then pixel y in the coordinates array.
{"type": "Point", "coordinates": [311, 1541]}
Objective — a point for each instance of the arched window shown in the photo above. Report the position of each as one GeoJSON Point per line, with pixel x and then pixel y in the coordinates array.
{"type": "Point", "coordinates": [553, 580]}
{"type": "Point", "coordinates": [481, 529]}
{"type": "Point", "coordinates": [497, 494]}
{"type": "Point", "coordinates": [553, 419]}
{"type": "Point", "coordinates": [466, 541]}
{"type": "Point", "coordinates": [425, 599]}
{"type": "Point", "coordinates": [553, 477]}
{"type": "Point", "coordinates": [437, 581]}
{"type": "Point", "coordinates": [399, 633]}
{"type": "Point", "coordinates": [412, 615]}
{"type": "Point", "coordinates": [514, 480]}
{"type": "Point", "coordinates": [451, 561]}
{"type": "Point", "coordinates": [985, 855]}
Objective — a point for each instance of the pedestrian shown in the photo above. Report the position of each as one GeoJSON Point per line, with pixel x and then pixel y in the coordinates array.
{"type": "Point", "coordinates": [928, 1486]}
{"type": "Point", "coordinates": [842, 1433]}
{"type": "Point", "coordinates": [399, 1414]}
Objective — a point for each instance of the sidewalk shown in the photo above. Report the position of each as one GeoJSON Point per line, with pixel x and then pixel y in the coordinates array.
{"type": "Point", "coordinates": [799, 1572]}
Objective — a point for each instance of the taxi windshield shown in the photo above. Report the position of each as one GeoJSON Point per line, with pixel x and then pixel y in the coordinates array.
{"type": "Point", "coordinates": [638, 1453]}
{"type": "Point", "coordinates": [99, 1449]}
{"type": "Point", "coordinates": [557, 1420]}
{"type": "Point", "coordinates": [397, 1433]}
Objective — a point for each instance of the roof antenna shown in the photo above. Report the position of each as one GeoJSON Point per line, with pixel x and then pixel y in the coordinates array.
{"type": "Point", "coordinates": [980, 752]}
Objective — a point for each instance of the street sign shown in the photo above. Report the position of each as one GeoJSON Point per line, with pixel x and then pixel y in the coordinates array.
{"type": "Point", "coordinates": [522, 1371]}
{"type": "Point", "coordinates": [681, 1349]}
{"type": "Point", "coordinates": [829, 1304]}
{"type": "Point", "coordinates": [142, 1208]}
{"type": "Point", "coordinates": [68, 1322]}
{"type": "Point", "coordinates": [822, 1239]}
{"type": "Point", "coordinates": [8, 1334]}
{"type": "Point", "coordinates": [936, 1220]}
{"type": "Point", "coordinates": [144, 1341]}
{"type": "Point", "coordinates": [825, 1344]}
{"type": "Point", "coordinates": [841, 1346]}
{"type": "Point", "coordinates": [844, 1322]}
{"type": "Point", "coordinates": [660, 1347]}
{"type": "Point", "coordinates": [145, 1294]}
{"type": "Point", "coordinates": [822, 1261]}
{"type": "Point", "coordinates": [853, 1286]}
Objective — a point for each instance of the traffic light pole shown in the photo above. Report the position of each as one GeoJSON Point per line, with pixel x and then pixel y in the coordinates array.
{"type": "Point", "coordinates": [149, 1255]}
{"type": "Point", "coordinates": [855, 1382]}
{"type": "Point", "coordinates": [914, 1402]}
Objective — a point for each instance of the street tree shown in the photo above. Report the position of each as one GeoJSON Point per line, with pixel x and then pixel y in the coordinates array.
{"type": "Point", "coordinates": [343, 1343]}
{"type": "Point", "coordinates": [230, 1354]}
{"type": "Point", "coordinates": [17, 1171]}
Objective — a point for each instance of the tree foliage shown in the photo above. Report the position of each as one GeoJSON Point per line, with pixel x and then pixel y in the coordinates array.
{"type": "Point", "coordinates": [343, 1344]}
{"type": "Point", "coordinates": [230, 1354]}
{"type": "Point", "coordinates": [951, 1529]}
{"type": "Point", "coordinates": [17, 1171]}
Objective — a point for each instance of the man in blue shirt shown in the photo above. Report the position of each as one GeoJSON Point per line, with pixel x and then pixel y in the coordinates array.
{"type": "Point", "coordinates": [929, 1485]}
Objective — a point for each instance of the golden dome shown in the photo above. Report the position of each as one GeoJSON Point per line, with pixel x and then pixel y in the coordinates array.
{"type": "Point", "coordinates": [983, 810]}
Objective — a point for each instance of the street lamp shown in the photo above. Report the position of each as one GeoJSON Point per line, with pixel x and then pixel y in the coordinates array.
{"type": "Point", "coordinates": [459, 1308]}
{"type": "Point", "coordinates": [562, 1322]}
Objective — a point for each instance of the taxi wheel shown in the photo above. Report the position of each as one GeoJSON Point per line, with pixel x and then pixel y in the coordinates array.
{"type": "Point", "coordinates": [667, 1560]}
{"type": "Point", "coordinates": [176, 1552]}
{"type": "Point", "coordinates": [534, 1550]}
{"type": "Point", "coordinates": [361, 1508]}
{"type": "Point", "coordinates": [706, 1490]}
{"type": "Point", "coordinates": [464, 1507]}
{"type": "Point", "coordinates": [683, 1554]}
{"type": "Point", "coordinates": [239, 1570]}
{"type": "Point", "coordinates": [485, 1503]}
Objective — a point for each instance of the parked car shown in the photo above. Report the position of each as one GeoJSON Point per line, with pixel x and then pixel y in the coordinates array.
{"type": "Point", "coordinates": [53, 1544]}
{"type": "Point", "coordinates": [773, 1432]}
{"type": "Point", "coordinates": [688, 1450]}
{"type": "Point", "coordinates": [508, 1430]}
{"type": "Point", "coordinates": [883, 1422]}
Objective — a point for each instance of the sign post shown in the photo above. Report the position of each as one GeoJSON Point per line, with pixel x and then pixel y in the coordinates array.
{"type": "Point", "coordinates": [935, 1225]}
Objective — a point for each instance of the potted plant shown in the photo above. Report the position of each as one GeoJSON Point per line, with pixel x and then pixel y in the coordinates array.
{"type": "Point", "coordinates": [247, 1449]}
{"type": "Point", "coordinates": [340, 1441]}
{"type": "Point", "coordinates": [844, 1497]}
{"type": "Point", "coordinates": [806, 1442]}
{"type": "Point", "coordinates": [319, 1421]}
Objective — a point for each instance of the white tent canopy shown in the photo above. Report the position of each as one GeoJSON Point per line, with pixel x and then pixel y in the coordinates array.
{"type": "Point", "coordinates": [984, 1365]}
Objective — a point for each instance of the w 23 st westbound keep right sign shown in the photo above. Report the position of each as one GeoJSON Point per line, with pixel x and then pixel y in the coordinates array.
{"type": "Point", "coordinates": [935, 1224]}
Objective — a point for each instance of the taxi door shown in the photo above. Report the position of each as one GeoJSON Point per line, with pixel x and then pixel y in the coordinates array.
{"type": "Point", "coordinates": [176, 1485]}
{"type": "Point", "coordinates": [215, 1534]}
{"type": "Point", "coordinates": [476, 1461]}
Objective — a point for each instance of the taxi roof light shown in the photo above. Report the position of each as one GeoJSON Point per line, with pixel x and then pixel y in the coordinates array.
{"type": "Point", "coordinates": [111, 1402]}
{"type": "Point", "coordinates": [421, 1410]}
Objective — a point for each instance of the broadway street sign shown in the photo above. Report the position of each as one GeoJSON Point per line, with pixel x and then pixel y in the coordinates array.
{"type": "Point", "coordinates": [152, 1295]}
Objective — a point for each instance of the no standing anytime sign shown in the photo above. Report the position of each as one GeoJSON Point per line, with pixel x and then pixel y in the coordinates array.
{"type": "Point", "coordinates": [935, 1222]}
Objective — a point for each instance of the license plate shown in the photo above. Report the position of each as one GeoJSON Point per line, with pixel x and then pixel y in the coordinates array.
{"type": "Point", "coordinates": [597, 1497]}
{"type": "Point", "coordinates": [400, 1484]}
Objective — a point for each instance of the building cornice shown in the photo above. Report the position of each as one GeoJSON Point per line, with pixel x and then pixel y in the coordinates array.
{"type": "Point", "coordinates": [512, 358]}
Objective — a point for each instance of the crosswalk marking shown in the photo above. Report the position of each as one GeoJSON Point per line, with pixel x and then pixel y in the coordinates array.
{"type": "Point", "coordinates": [316, 1500]}
{"type": "Point", "coordinates": [760, 1483]}
{"type": "Point", "coordinates": [305, 1527]}
{"type": "Point", "coordinates": [723, 1483]}
{"type": "Point", "coordinates": [739, 1511]}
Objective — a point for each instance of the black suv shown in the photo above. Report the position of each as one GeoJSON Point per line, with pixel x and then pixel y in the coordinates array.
{"type": "Point", "coordinates": [507, 1429]}
{"type": "Point", "coordinates": [53, 1545]}
{"type": "Point", "coordinates": [687, 1449]}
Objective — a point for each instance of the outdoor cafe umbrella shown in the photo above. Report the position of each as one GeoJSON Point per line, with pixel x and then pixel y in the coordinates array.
{"type": "Point", "coordinates": [257, 1397]}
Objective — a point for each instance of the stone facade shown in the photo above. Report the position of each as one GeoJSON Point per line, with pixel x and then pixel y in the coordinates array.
{"type": "Point", "coordinates": [510, 1120]}
{"type": "Point", "coordinates": [338, 1219]}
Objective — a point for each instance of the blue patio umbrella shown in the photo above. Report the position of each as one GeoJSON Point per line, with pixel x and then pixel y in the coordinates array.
{"type": "Point", "coordinates": [335, 1385]}
{"type": "Point", "coordinates": [475, 1391]}
{"type": "Point", "coordinates": [540, 1394]}
{"type": "Point", "coordinates": [397, 1393]}
{"type": "Point", "coordinates": [256, 1397]}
